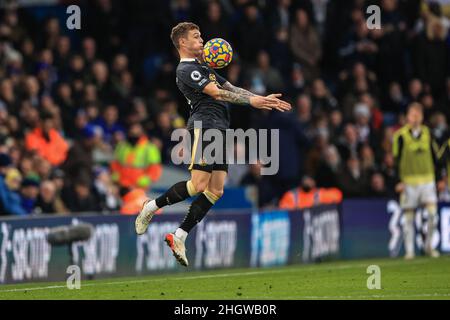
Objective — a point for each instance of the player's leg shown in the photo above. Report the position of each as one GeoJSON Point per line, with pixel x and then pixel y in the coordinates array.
{"type": "Point", "coordinates": [431, 227]}
{"type": "Point", "coordinates": [195, 214]}
{"type": "Point", "coordinates": [409, 200]}
{"type": "Point", "coordinates": [409, 233]}
{"type": "Point", "coordinates": [179, 191]}
{"type": "Point", "coordinates": [205, 200]}
{"type": "Point", "coordinates": [208, 195]}
{"type": "Point", "coordinates": [430, 199]}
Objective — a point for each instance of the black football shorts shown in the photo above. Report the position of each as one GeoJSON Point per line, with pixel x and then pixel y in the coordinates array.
{"type": "Point", "coordinates": [199, 159]}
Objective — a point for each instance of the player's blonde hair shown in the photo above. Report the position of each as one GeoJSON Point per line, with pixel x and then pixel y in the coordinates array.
{"type": "Point", "coordinates": [180, 31]}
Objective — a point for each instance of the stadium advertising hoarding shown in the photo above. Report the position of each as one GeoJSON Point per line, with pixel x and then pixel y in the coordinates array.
{"type": "Point", "coordinates": [227, 239]}
{"type": "Point", "coordinates": [222, 240]}
{"type": "Point", "coordinates": [373, 228]}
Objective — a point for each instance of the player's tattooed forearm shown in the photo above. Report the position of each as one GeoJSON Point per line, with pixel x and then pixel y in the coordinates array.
{"type": "Point", "coordinates": [228, 86]}
{"type": "Point", "coordinates": [232, 97]}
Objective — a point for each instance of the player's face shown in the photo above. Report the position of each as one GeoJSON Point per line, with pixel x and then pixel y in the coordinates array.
{"type": "Point", "coordinates": [194, 43]}
{"type": "Point", "coordinates": [414, 117]}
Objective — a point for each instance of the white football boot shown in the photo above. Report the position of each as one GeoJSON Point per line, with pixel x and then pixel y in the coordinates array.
{"type": "Point", "coordinates": [432, 253]}
{"type": "Point", "coordinates": [144, 218]}
{"type": "Point", "coordinates": [178, 248]}
{"type": "Point", "coordinates": [409, 256]}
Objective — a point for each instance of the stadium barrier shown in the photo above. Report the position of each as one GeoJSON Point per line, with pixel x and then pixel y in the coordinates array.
{"type": "Point", "coordinates": [224, 239]}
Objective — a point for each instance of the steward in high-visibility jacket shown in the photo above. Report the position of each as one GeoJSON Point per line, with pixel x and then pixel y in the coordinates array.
{"type": "Point", "coordinates": [300, 199]}
{"type": "Point", "coordinates": [136, 165]}
{"type": "Point", "coordinates": [47, 142]}
{"type": "Point", "coordinates": [132, 201]}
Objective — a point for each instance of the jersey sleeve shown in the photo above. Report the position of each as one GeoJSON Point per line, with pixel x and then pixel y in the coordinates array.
{"type": "Point", "coordinates": [193, 76]}
{"type": "Point", "coordinates": [221, 80]}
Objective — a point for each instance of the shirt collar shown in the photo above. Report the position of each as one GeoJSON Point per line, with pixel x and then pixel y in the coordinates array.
{"type": "Point", "coordinates": [187, 59]}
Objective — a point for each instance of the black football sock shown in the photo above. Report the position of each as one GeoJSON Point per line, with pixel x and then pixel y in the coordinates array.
{"type": "Point", "coordinates": [178, 192]}
{"type": "Point", "coordinates": [198, 209]}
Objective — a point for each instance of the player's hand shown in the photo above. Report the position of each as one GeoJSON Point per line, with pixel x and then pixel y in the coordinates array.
{"type": "Point", "coordinates": [266, 103]}
{"type": "Point", "coordinates": [399, 187]}
{"type": "Point", "coordinates": [282, 105]}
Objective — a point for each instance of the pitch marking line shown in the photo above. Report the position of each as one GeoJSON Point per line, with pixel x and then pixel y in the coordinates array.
{"type": "Point", "coordinates": [237, 274]}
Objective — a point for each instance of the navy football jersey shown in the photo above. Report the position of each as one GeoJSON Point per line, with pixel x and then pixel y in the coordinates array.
{"type": "Point", "coordinates": [192, 78]}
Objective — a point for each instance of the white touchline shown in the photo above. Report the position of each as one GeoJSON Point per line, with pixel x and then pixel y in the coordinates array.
{"type": "Point", "coordinates": [237, 274]}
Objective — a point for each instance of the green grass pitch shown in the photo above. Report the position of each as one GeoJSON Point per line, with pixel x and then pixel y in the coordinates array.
{"type": "Point", "coordinates": [422, 278]}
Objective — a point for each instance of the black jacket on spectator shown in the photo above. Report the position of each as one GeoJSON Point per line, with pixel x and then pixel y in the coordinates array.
{"type": "Point", "coordinates": [353, 187]}
{"type": "Point", "coordinates": [77, 204]}
{"type": "Point", "coordinates": [431, 60]}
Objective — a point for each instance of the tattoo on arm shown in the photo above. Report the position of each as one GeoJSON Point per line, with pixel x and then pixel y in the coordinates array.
{"type": "Point", "coordinates": [229, 87]}
{"type": "Point", "coordinates": [233, 97]}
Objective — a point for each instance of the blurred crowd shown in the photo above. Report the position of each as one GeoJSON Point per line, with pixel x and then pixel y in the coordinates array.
{"type": "Point", "coordinates": [86, 115]}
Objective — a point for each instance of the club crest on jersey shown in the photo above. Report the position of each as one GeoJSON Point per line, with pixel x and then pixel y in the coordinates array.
{"type": "Point", "coordinates": [212, 77]}
{"type": "Point", "coordinates": [195, 75]}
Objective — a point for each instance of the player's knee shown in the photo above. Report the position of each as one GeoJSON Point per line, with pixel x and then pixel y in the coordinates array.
{"type": "Point", "coordinates": [409, 214]}
{"type": "Point", "coordinates": [191, 188]}
{"type": "Point", "coordinates": [218, 193]}
{"type": "Point", "coordinates": [200, 185]}
{"type": "Point", "coordinates": [213, 195]}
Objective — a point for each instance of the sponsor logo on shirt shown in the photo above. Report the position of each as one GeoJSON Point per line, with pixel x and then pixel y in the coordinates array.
{"type": "Point", "coordinates": [195, 75]}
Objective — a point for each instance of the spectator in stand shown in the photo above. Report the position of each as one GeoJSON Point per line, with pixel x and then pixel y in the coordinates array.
{"type": "Point", "coordinates": [12, 201]}
{"type": "Point", "coordinates": [431, 55]}
{"type": "Point", "coordinates": [390, 174]}
{"type": "Point", "coordinates": [109, 123]}
{"type": "Point", "coordinates": [214, 24]}
{"type": "Point", "coordinates": [415, 90]}
{"type": "Point", "coordinates": [106, 191]}
{"type": "Point", "coordinates": [254, 178]}
{"type": "Point", "coordinates": [349, 144]}
{"type": "Point", "coordinates": [367, 158]}
{"type": "Point", "coordinates": [137, 161]}
{"type": "Point", "coordinates": [79, 197]}
{"type": "Point", "coordinates": [353, 180]}
{"type": "Point", "coordinates": [48, 201]}
{"type": "Point", "coordinates": [329, 168]}
{"type": "Point", "coordinates": [321, 98]}
{"type": "Point", "coordinates": [250, 33]}
{"type": "Point", "coordinates": [377, 187]}
{"type": "Point", "coordinates": [29, 192]}
{"type": "Point", "coordinates": [161, 136]}
{"type": "Point", "coordinates": [305, 44]}
{"type": "Point", "coordinates": [265, 78]}
{"type": "Point", "coordinates": [304, 114]}
{"type": "Point", "coordinates": [307, 196]}
{"type": "Point", "coordinates": [80, 160]}
{"type": "Point", "coordinates": [395, 101]}
{"type": "Point", "coordinates": [46, 141]}
{"type": "Point", "coordinates": [359, 45]}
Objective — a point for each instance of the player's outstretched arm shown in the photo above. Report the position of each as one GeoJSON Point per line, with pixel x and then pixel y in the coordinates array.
{"type": "Point", "coordinates": [255, 101]}
{"type": "Point", "coordinates": [283, 105]}
{"type": "Point", "coordinates": [229, 87]}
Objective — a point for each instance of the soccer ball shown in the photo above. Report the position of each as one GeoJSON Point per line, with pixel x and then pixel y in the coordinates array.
{"type": "Point", "coordinates": [218, 53]}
